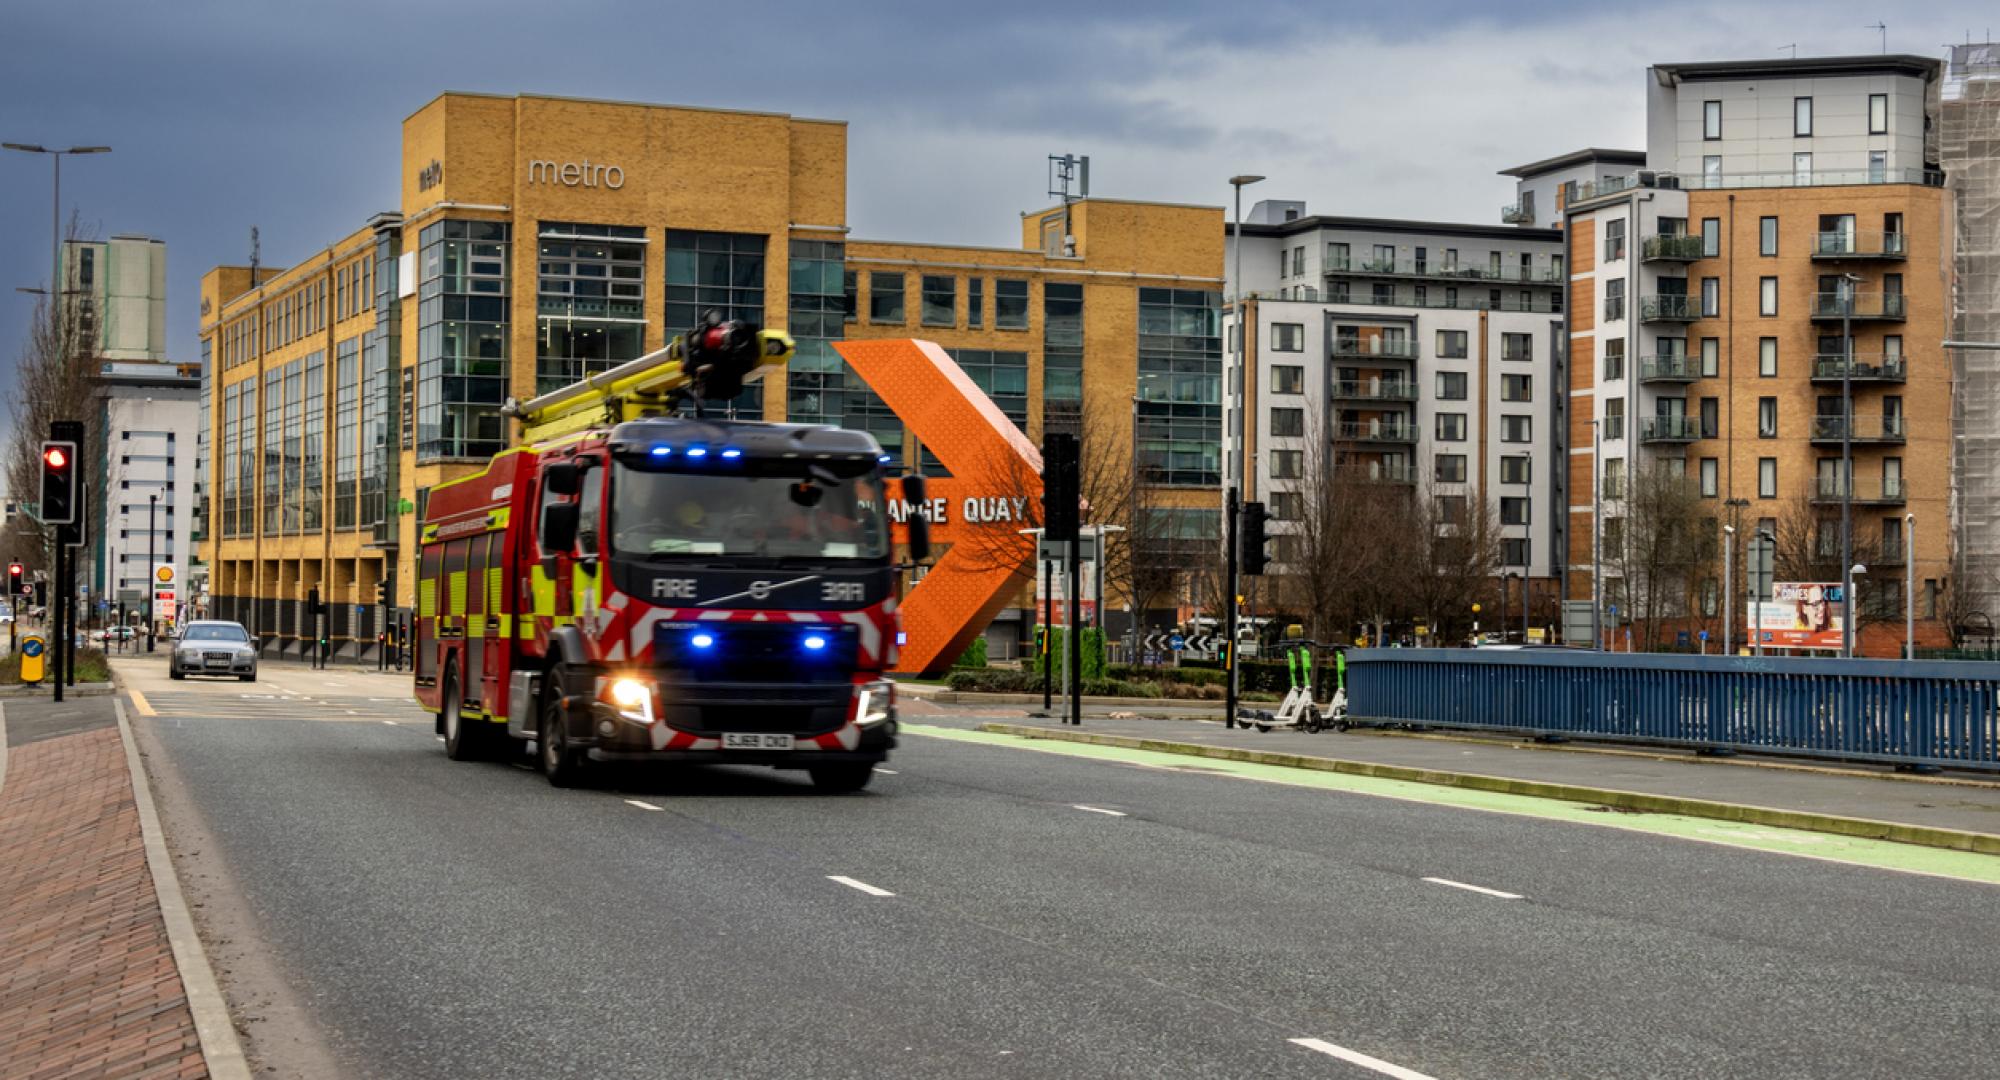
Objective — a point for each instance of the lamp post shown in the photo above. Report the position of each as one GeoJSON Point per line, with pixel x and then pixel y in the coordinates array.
{"type": "Point", "coordinates": [1234, 477]}
{"type": "Point", "coordinates": [55, 224]}
{"type": "Point", "coordinates": [1504, 587]}
{"type": "Point", "coordinates": [152, 503]}
{"type": "Point", "coordinates": [1909, 586]}
{"type": "Point", "coordinates": [1596, 535]}
{"type": "Point", "coordinates": [1728, 580]}
{"type": "Point", "coordinates": [1847, 284]}
{"type": "Point", "coordinates": [1756, 628]}
{"type": "Point", "coordinates": [1527, 545]}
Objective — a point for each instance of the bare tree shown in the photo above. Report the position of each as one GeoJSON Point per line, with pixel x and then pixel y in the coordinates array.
{"type": "Point", "coordinates": [1808, 549]}
{"type": "Point", "coordinates": [1663, 545]}
{"type": "Point", "coordinates": [1965, 601]}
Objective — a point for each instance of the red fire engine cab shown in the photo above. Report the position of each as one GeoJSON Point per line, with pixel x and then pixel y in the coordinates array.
{"type": "Point", "coordinates": [635, 585]}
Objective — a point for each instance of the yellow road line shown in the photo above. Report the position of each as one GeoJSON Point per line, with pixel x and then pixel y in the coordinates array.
{"type": "Point", "coordinates": [139, 700]}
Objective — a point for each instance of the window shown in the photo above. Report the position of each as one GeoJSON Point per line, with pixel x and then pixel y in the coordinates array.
{"type": "Point", "coordinates": [1878, 166]}
{"type": "Point", "coordinates": [1284, 505]}
{"type": "Point", "coordinates": [1802, 169]}
{"type": "Point", "coordinates": [1614, 299]}
{"type": "Point", "coordinates": [1614, 480]}
{"type": "Point", "coordinates": [940, 300]}
{"type": "Point", "coordinates": [1336, 291]}
{"type": "Point", "coordinates": [1711, 417]}
{"type": "Point", "coordinates": [1614, 418]}
{"type": "Point", "coordinates": [1450, 427]}
{"type": "Point", "coordinates": [1180, 350]}
{"type": "Point", "coordinates": [1516, 388]}
{"type": "Point", "coordinates": [1004, 377]}
{"type": "Point", "coordinates": [1513, 511]}
{"type": "Point", "coordinates": [1451, 509]}
{"type": "Point", "coordinates": [1385, 257]}
{"type": "Point", "coordinates": [1517, 428]}
{"type": "Point", "coordinates": [886, 297]}
{"type": "Point", "coordinates": [1711, 171]}
{"type": "Point", "coordinates": [1451, 344]}
{"type": "Point", "coordinates": [1288, 337]}
{"type": "Point", "coordinates": [1767, 478]}
{"type": "Point", "coordinates": [1514, 469]}
{"type": "Point", "coordinates": [1767, 236]}
{"type": "Point", "coordinates": [1449, 469]}
{"type": "Point", "coordinates": [1382, 294]}
{"type": "Point", "coordinates": [1711, 237]}
{"type": "Point", "coordinates": [1010, 304]}
{"type": "Point", "coordinates": [1288, 379]}
{"type": "Point", "coordinates": [1767, 296]}
{"type": "Point", "coordinates": [1767, 357]}
{"type": "Point", "coordinates": [1614, 240]}
{"type": "Point", "coordinates": [1298, 261]}
{"type": "Point", "coordinates": [975, 302]}
{"type": "Point", "coordinates": [1878, 114]}
{"type": "Point", "coordinates": [590, 297]}
{"type": "Point", "coordinates": [462, 342]}
{"type": "Point", "coordinates": [1711, 297]}
{"type": "Point", "coordinates": [1767, 418]}
{"type": "Point", "coordinates": [1451, 386]}
{"type": "Point", "coordinates": [1514, 552]}
{"type": "Point", "coordinates": [1614, 359]}
{"type": "Point", "coordinates": [1710, 477]}
{"type": "Point", "coordinates": [1062, 355]}
{"type": "Point", "coordinates": [1711, 120]}
{"type": "Point", "coordinates": [1286, 464]}
{"type": "Point", "coordinates": [1711, 357]}
{"type": "Point", "coordinates": [1336, 257]}
{"type": "Point", "coordinates": [1517, 346]}
{"type": "Point", "coordinates": [1801, 117]}
{"type": "Point", "coordinates": [819, 388]}
{"type": "Point", "coordinates": [1288, 423]}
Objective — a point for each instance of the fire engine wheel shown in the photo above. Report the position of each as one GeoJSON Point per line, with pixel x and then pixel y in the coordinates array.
{"type": "Point", "coordinates": [461, 741]}
{"type": "Point", "coordinates": [562, 765]}
{"type": "Point", "coordinates": [839, 778]}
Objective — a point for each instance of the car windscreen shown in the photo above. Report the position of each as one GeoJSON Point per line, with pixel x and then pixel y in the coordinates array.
{"type": "Point", "coordinates": [215, 633]}
{"type": "Point", "coordinates": [669, 514]}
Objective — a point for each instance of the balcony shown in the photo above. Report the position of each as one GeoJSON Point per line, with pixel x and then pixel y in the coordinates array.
{"type": "Point", "coordinates": [1672, 249]}
{"type": "Point", "coordinates": [1376, 431]}
{"type": "Point", "coordinates": [1867, 368]}
{"type": "Point", "coordinates": [1668, 429]}
{"type": "Point", "coordinates": [1669, 368]}
{"type": "Point", "coordinates": [1368, 347]}
{"type": "Point", "coordinates": [1517, 214]}
{"type": "Point", "coordinates": [1433, 271]}
{"type": "Point", "coordinates": [1867, 430]}
{"type": "Point", "coordinates": [1378, 472]}
{"type": "Point", "coordinates": [1843, 245]}
{"type": "Point", "coordinates": [1668, 307]}
{"type": "Point", "coordinates": [1375, 390]}
{"type": "Point", "coordinates": [1605, 187]}
{"type": "Point", "coordinates": [1886, 492]}
{"type": "Point", "coordinates": [1866, 307]}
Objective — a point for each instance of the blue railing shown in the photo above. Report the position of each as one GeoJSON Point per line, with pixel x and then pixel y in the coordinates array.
{"type": "Point", "coordinates": [1929, 712]}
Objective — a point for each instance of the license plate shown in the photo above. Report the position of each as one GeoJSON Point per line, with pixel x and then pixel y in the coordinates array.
{"type": "Point", "coordinates": [750, 740]}
{"type": "Point", "coordinates": [218, 663]}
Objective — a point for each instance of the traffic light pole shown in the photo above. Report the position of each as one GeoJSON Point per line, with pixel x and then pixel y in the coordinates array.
{"type": "Point", "coordinates": [1074, 596]}
{"type": "Point", "coordinates": [1229, 621]}
{"type": "Point", "coordinates": [1048, 629]}
{"type": "Point", "coordinates": [56, 618]}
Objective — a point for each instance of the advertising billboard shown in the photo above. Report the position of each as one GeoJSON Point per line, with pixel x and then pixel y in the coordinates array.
{"type": "Point", "coordinates": [1800, 615]}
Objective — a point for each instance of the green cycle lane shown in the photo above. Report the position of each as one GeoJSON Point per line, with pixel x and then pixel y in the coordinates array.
{"type": "Point", "coordinates": [1854, 851]}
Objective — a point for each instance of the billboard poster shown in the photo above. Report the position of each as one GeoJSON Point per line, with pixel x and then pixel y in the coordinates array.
{"type": "Point", "coordinates": [1800, 615]}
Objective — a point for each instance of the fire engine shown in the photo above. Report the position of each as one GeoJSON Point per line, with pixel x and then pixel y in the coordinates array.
{"type": "Point", "coordinates": [640, 581]}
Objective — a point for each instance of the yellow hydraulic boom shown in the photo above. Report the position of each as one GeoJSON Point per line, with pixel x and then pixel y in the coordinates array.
{"type": "Point", "coordinates": [721, 359]}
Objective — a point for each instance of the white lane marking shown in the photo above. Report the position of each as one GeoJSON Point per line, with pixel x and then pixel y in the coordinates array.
{"type": "Point", "coordinates": [643, 805]}
{"type": "Point", "coordinates": [391, 723]}
{"type": "Point", "coordinates": [354, 712]}
{"type": "Point", "coordinates": [1098, 810]}
{"type": "Point", "coordinates": [862, 885]}
{"type": "Point", "coordinates": [1473, 888]}
{"type": "Point", "coordinates": [1356, 1057]}
{"type": "Point", "coordinates": [885, 772]}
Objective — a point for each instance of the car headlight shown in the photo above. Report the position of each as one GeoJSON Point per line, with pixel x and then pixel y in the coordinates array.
{"type": "Point", "coordinates": [874, 703]}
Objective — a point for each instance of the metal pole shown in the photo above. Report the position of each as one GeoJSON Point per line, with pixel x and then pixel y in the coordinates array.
{"type": "Point", "coordinates": [1229, 610]}
{"type": "Point", "coordinates": [1847, 466]}
{"type": "Point", "coordinates": [56, 619]}
{"type": "Point", "coordinates": [1909, 586]}
{"type": "Point", "coordinates": [1528, 555]}
{"type": "Point", "coordinates": [152, 503]}
{"type": "Point", "coordinates": [1048, 631]}
{"type": "Point", "coordinates": [1596, 536]}
{"type": "Point", "coordinates": [1728, 587]}
{"type": "Point", "coordinates": [1075, 658]}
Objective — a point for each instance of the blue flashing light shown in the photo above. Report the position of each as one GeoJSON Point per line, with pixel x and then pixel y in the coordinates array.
{"type": "Point", "coordinates": [732, 453]}
{"type": "Point", "coordinates": [697, 451]}
{"type": "Point", "coordinates": [702, 641]}
{"type": "Point", "coordinates": [660, 451]}
{"type": "Point", "coordinates": [815, 642]}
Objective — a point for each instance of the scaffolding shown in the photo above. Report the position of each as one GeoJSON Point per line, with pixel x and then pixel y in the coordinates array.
{"type": "Point", "coordinates": [1968, 135]}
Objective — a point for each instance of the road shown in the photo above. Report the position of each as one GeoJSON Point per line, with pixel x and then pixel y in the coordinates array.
{"type": "Point", "coordinates": [987, 910]}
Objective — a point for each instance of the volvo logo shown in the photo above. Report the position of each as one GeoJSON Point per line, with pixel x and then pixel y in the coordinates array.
{"type": "Point", "coordinates": [760, 590]}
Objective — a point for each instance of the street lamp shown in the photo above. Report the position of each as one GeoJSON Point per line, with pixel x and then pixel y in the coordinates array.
{"type": "Point", "coordinates": [1235, 463]}
{"type": "Point", "coordinates": [1847, 284]}
{"type": "Point", "coordinates": [1909, 586]}
{"type": "Point", "coordinates": [55, 231]}
{"type": "Point", "coordinates": [152, 586]}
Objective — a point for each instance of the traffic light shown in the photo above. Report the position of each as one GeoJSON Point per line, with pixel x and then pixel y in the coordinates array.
{"type": "Point", "coordinates": [1059, 486]}
{"type": "Point", "coordinates": [58, 483]}
{"type": "Point", "coordinates": [382, 588]}
{"type": "Point", "coordinates": [15, 573]}
{"type": "Point", "coordinates": [1255, 558]}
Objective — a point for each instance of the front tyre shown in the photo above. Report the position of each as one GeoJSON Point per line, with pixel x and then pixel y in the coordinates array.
{"type": "Point", "coordinates": [838, 779]}
{"type": "Point", "coordinates": [560, 763]}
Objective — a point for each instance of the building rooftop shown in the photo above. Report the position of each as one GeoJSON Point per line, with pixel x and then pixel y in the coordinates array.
{"type": "Point", "coordinates": [1921, 67]}
{"type": "Point", "coordinates": [1400, 225]}
{"type": "Point", "coordinates": [1576, 157]}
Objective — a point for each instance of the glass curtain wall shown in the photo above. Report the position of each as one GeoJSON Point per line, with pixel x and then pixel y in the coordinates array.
{"type": "Point", "coordinates": [1180, 387]}
{"type": "Point", "coordinates": [589, 300]}
{"type": "Point", "coordinates": [462, 317]}
{"type": "Point", "coordinates": [724, 273]}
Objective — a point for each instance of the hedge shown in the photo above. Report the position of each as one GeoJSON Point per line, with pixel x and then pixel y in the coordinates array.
{"type": "Point", "coordinates": [974, 655]}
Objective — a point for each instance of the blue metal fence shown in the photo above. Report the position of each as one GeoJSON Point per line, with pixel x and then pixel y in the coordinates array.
{"type": "Point", "coordinates": [1937, 713]}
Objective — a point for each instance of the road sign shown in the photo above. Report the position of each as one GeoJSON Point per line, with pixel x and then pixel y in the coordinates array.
{"type": "Point", "coordinates": [1681, 638]}
{"type": "Point", "coordinates": [1176, 642]}
{"type": "Point", "coordinates": [1704, 635]}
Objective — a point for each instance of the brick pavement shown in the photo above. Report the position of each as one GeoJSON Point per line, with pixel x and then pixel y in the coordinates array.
{"type": "Point", "coordinates": [88, 985]}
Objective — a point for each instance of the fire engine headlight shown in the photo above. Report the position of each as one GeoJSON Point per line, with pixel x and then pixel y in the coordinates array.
{"type": "Point", "coordinates": [633, 698]}
{"type": "Point", "coordinates": [874, 703]}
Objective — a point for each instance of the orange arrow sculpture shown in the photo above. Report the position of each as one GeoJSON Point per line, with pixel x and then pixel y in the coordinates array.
{"type": "Point", "coordinates": [994, 490]}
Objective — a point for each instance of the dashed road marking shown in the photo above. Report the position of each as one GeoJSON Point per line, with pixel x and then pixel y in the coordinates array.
{"type": "Point", "coordinates": [1099, 810]}
{"type": "Point", "coordinates": [1481, 889]}
{"type": "Point", "coordinates": [391, 723]}
{"type": "Point", "coordinates": [1356, 1057]}
{"type": "Point", "coordinates": [139, 700]}
{"type": "Point", "coordinates": [885, 772]}
{"type": "Point", "coordinates": [861, 885]}
{"type": "Point", "coordinates": [643, 805]}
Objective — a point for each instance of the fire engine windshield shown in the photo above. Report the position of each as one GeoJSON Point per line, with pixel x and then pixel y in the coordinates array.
{"type": "Point", "coordinates": [658, 514]}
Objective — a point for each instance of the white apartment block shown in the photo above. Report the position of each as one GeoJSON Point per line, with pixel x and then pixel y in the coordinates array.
{"type": "Point", "coordinates": [146, 511]}
{"type": "Point", "coordinates": [1426, 353]}
{"type": "Point", "coordinates": [120, 288]}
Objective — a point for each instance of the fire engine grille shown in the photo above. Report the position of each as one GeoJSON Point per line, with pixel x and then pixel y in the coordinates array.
{"type": "Point", "coordinates": [793, 710]}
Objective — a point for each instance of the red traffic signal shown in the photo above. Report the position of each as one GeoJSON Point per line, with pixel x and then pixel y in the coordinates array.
{"type": "Point", "coordinates": [55, 457]}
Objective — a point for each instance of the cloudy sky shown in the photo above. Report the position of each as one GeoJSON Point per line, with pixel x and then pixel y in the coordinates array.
{"type": "Point", "coordinates": [224, 115]}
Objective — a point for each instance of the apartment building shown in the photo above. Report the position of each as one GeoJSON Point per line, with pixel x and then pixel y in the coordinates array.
{"type": "Point", "coordinates": [119, 287]}
{"type": "Point", "coordinates": [1425, 355]}
{"type": "Point", "coordinates": [541, 239]}
{"type": "Point", "coordinates": [1788, 237]}
{"type": "Point", "coordinates": [144, 516]}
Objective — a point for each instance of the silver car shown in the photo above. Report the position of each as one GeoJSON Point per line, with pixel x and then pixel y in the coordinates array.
{"type": "Point", "coordinates": [214, 648]}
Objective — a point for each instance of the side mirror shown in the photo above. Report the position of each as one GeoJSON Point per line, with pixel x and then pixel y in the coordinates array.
{"type": "Point", "coordinates": [919, 525]}
{"type": "Point", "coordinates": [559, 526]}
{"type": "Point", "coordinates": [562, 477]}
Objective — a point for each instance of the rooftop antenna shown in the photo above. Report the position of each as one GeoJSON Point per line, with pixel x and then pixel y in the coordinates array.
{"type": "Point", "coordinates": [253, 256]}
{"type": "Point", "coordinates": [1794, 48]}
{"type": "Point", "coordinates": [1065, 170]}
{"type": "Point", "coordinates": [1882, 28]}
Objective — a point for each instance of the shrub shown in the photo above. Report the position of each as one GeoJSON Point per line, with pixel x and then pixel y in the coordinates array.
{"type": "Point", "coordinates": [974, 655]}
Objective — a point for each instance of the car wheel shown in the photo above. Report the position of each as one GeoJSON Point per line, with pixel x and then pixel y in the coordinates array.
{"type": "Point", "coordinates": [834, 779]}
{"type": "Point", "coordinates": [252, 677]}
{"type": "Point", "coordinates": [461, 742]}
{"type": "Point", "coordinates": [174, 671]}
{"type": "Point", "coordinates": [562, 765]}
